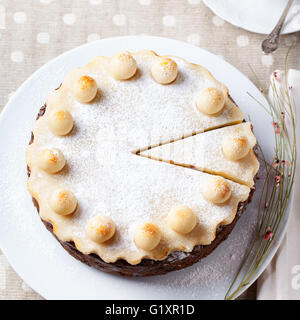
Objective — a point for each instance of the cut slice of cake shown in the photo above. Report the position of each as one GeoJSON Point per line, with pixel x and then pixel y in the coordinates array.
{"type": "Point", "coordinates": [226, 151]}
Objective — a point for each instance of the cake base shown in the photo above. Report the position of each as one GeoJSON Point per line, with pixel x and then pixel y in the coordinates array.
{"type": "Point", "coordinates": [175, 260]}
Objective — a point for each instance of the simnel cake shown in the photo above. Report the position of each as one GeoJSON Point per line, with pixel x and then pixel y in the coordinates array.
{"type": "Point", "coordinates": [141, 164]}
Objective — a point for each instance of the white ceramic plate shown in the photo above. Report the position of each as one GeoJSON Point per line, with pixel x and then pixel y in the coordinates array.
{"type": "Point", "coordinates": [258, 16]}
{"type": "Point", "coordinates": [34, 253]}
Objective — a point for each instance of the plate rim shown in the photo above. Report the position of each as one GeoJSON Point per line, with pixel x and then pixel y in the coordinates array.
{"type": "Point", "coordinates": [219, 13]}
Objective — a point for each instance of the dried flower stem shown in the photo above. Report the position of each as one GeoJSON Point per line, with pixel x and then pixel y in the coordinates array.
{"type": "Point", "coordinates": [278, 184]}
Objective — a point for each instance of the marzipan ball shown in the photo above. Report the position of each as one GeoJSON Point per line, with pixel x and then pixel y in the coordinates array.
{"type": "Point", "coordinates": [217, 190]}
{"type": "Point", "coordinates": [210, 101]}
{"type": "Point", "coordinates": [85, 89]}
{"type": "Point", "coordinates": [122, 66]}
{"type": "Point", "coordinates": [100, 229]}
{"type": "Point", "coordinates": [235, 148]}
{"type": "Point", "coordinates": [63, 202]}
{"type": "Point", "coordinates": [60, 122]}
{"type": "Point", "coordinates": [164, 70]}
{"type": "Point", "coordinates": [147, 236]}
{"type": "Point", "coordinates": [51, 160]}
{"type": "Point", "coordinates": [182, 219]}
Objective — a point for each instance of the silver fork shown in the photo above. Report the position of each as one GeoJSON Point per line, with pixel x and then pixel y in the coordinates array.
{"type": "Point", "coordinates": [271, 43]}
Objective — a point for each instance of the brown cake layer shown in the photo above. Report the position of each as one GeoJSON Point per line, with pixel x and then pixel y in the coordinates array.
{"type": "Point", "coordinates": [148, 267]}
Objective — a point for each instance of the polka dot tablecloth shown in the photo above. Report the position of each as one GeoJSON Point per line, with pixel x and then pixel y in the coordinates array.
{"type": "Point", "coordinates": [34, 31]}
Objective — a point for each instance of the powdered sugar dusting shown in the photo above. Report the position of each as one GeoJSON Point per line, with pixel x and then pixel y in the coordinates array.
{"type": "Point", "coordinates": [108, 179]}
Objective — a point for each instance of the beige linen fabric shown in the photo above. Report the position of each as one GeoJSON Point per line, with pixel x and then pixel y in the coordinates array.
{"type": "Point", "coordinates": [34, 31]}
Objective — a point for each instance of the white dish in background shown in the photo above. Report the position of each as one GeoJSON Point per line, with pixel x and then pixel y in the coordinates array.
{"type": "Point", "coordinates": [34, 253]}
{"type": "Point", "coordinates": [258, 16]}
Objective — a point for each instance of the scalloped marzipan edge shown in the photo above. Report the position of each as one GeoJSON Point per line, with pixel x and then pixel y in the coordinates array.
{"type": "Point", "coordinates": [167, 252]}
